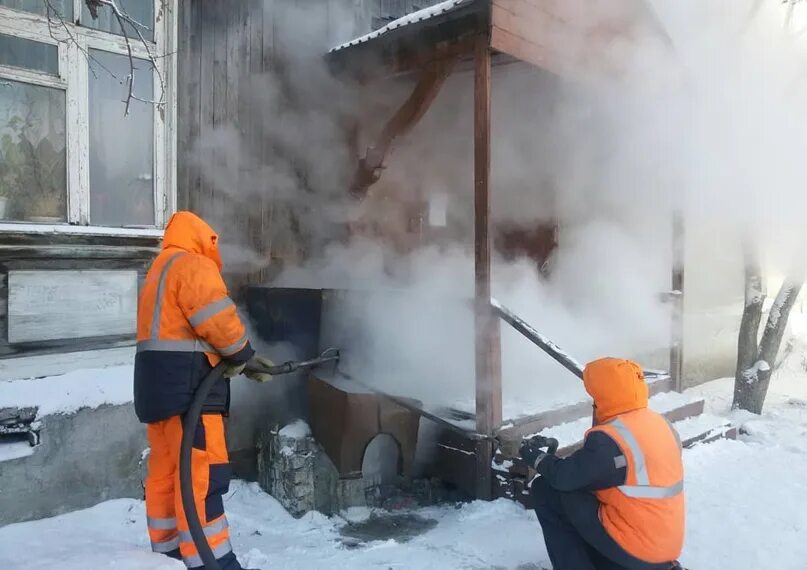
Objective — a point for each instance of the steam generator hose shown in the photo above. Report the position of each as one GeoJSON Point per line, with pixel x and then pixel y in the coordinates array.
{"type": "Point", "coordinates": [185, 457]}
{"type": "Point", "coordinates": [189, 424]}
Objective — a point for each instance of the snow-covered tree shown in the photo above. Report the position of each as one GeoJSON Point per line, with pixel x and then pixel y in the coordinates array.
{"type": "Point", "coordinates": [756, 355]}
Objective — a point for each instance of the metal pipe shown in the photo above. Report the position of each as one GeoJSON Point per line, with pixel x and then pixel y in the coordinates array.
{"type": "Point", "coordinates": [538, 339]}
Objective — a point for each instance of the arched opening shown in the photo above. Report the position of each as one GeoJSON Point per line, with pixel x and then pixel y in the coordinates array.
{"type": "Point", "coordinates": [381, 463]}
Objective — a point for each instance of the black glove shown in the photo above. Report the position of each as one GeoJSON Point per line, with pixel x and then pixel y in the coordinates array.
{"type": "Point", "coordinates": [532, 450]}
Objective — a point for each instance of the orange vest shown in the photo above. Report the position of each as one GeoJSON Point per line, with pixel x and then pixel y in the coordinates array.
{"type": "Point", "coordinates": [645, 516]}
{"type": "Point", "coordinates": [184, 307]}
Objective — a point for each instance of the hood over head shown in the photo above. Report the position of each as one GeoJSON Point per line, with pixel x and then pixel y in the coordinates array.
{"type": "Point", "coordinates": [189, 232]}
{"type": "Point", "coordinates": [616, 385]}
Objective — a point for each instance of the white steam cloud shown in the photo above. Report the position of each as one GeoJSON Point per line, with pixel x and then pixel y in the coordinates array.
{"type": "Point", "coordinates": [715, 129]}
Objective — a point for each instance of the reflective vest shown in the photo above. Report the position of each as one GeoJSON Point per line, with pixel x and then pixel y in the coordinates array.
{"type": "Point", "coordinates": [645, 516]}
{"type": "Point", "coordinates": [186, 323]}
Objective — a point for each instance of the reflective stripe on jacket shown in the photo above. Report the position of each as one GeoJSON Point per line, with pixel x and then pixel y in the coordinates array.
{"type": "Point", "coordinates": [186, 323]}
{"type": "Point", "coordinates": [645, 516]}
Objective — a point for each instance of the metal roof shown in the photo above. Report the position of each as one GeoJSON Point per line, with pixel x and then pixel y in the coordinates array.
{"type": "Point", "coordinates": [415, 17]}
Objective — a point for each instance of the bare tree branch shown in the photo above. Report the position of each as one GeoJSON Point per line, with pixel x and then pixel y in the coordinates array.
{"type": "Point", "coordinates": [123, 18]}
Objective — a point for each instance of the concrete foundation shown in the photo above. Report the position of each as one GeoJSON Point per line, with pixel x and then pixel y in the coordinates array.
{"type": "Point", "coordinates": [84, 458]}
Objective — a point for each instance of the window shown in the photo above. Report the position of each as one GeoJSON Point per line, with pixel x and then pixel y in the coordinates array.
{"type": "Point", "coordinates": [121, 146]}
{"type": "Point", "coordinates": [140, 11]}
{"type": "Point", "coordinates": [65, 7]}
{"type": "Point", "coordinates": [33, 181]}
{"type": "Point", "coordinates": [75, 147]}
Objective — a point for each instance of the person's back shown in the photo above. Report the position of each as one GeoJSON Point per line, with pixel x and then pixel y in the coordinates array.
{"type": "Point", "coordinates": [186, 324]}
{"type": "Point", "coordinates": [618, 502]}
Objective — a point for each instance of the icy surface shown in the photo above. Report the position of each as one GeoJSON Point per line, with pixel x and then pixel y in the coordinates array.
{"type": "Point", "coordinates": [70, 392]}
{"type": "Point", "coordinates": [418, 16]}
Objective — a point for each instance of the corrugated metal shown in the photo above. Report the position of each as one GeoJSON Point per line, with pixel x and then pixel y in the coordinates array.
{"type": "Point", "coordinates": [407, 20]}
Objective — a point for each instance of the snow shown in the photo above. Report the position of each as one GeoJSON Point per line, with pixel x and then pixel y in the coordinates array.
{"type": "Point", "coordinates": [15, 450]}
{"type": "Point", "coordinates": [113, 535]}
{"type": "Point", "coordinates": [745, 509]}
{"type": "Point", "coordinates": [296, 430]}
{"type": "Point", "coordinates": [414, 17]}
{"type": "Point", "coordinates": [70, 392]}
{"type": "Point", "coordinates": [692, 427]}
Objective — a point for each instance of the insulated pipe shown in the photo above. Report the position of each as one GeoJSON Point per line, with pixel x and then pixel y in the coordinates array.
{"type": "Point", "coordinates": [189, 424]}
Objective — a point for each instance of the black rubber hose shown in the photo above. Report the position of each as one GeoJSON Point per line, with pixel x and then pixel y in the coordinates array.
{"type": "Point", "coordinates": [185, 457]}
{"type": "Point", "coordinates": [189, 424]}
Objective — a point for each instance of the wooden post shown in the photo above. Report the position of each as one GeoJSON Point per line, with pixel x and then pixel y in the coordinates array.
{"type": "Point", "coordinates": [677, 331]}
{"type": "Point", "coordinates": [488, 349]}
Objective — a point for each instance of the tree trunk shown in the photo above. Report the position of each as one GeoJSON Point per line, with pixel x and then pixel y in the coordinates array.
{"type": "Point", "coordinates": [747, 348]}
{"type": "Point", "coordinates": [755, 362]}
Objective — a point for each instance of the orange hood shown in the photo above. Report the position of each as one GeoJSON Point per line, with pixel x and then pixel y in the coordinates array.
{"type": "Point", "coordinates": [189, 232]}
{"type": "Point", "coordinates": [616, 385]}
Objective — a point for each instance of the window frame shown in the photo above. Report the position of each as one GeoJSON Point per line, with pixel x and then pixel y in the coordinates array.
{"type": "Point", "coordinates": [73, 78]}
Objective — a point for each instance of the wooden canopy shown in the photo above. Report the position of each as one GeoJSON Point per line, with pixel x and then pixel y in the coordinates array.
{"type": "Point", "coordinates": [586, 40]}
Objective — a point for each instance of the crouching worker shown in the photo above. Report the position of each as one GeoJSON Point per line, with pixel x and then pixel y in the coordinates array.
{"type": "Point", "coordinates": [187, 324]}
{"type": "Point", "coordinates": [618, 502]}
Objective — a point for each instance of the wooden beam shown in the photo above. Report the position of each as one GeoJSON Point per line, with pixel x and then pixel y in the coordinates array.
{"type": "Point", "coordinates": [677, 329]}
{"type": "Point", "coordinates": [488, 349]}
{"type": "Point", "coordinates": [369, 169]}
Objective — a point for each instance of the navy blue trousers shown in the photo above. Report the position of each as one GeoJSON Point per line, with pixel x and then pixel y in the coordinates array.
{"type": "Point", "coordinates": [574, 536]}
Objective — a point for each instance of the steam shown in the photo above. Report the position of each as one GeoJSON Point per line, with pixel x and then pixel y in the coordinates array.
{"type": "Point", "coordinates": [714, 128]}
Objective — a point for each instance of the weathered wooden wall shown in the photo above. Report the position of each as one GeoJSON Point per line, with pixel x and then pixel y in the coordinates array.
{"type": "Point", "coordinates": [222, 47]}
{"type": "Point", "coordinates": [50, 252]}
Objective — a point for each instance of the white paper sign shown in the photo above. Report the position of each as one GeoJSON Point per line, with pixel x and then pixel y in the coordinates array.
{"type": "Point", "coordinates": [52, 305]}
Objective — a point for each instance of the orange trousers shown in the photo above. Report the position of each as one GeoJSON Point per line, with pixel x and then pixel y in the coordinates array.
{"type": "Point", "coordinates": [167, 527]}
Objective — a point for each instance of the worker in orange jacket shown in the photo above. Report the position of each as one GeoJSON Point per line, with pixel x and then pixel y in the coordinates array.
{"type": "Point", "coordinates": [618, 502]}
{"type": "Point", "coordinates": [187, 324]}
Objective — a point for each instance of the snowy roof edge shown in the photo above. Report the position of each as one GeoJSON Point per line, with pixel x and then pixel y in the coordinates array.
{"type": "Point", "coordinates": [413, 18]}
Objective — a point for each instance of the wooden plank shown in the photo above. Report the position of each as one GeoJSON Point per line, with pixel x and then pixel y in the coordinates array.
{"type": "Point", "coordinates": [370, 167]}
{"type": "Point", "coordinates": [61, 251]}
{"type": "Point", "coordinates": [195, 102]}
{"type": "Point", "coordinates": [677, 324]}
{"type": "Point", "coordinates": [487, 338]}
{"type": "Point", "coordinates": [488, 367]}
{"type": "Point", "coordinates": [537, 38]}
{"type": "Point", "coordinates": [511, 438]}
{"type": "Point", "coordinates": [51, 305]}
{"type": "Point", "coordinates": [206, 83]}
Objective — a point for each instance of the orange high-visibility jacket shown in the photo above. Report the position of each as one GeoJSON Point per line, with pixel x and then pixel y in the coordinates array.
{"type": "Point", "coordinates": [186, 323]}
{"type": "Point", "coordinates": [646, 515]}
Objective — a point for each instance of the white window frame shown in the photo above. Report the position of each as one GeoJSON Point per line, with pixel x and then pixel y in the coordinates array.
{"type": "Point", "coordinates": [73, 78]}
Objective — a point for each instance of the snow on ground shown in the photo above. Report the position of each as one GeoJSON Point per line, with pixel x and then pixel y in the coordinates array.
{"type": "Point", "coordinates": [112, 535]}
{"type": "Point", "coordinates": [70, 392]}
{"type": "Point", "coordinates": [746, 508]}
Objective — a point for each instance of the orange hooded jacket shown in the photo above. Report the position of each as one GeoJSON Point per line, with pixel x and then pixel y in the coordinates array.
{"type": "Point", "coordinates": [186, 323]}
{"type": "Point", "coordinates": [645, 516]}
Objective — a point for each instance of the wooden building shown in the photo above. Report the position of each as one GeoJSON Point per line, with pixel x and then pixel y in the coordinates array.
{"type": "Point", "coordinates": [98, 147]}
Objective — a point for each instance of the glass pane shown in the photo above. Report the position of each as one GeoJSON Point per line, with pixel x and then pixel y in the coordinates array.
{"type": "Point", "coordinates": [20, 52]}
{"type": "Point", "coordinates": [121, 146]}
{"type": "Point", "coordinates": [140, 11]}
{"type": "Point", "coordinates": [64, 7]}
{"type": "Point", "coordinates": [33, 172]}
